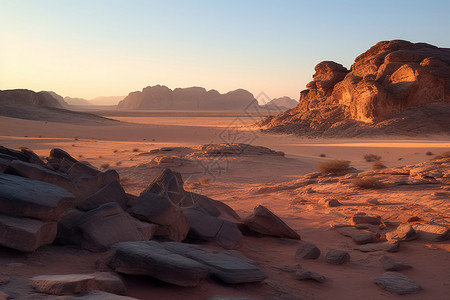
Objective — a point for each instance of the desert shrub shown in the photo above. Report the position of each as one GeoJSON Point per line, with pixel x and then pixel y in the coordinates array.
{"type": "Point", "coordinates": [136, 150]}
{"type": "Point", "coordinates": [372, 157]}
{"type": "Point", "coordinates": [367, 183]}
{"type": "Point", "coordinates": [322, 155]}
{"type": "Point", "coordinates": [334, 166]}
{"type": "Point", "coordinates": [378, 165]}
{"type": "Point", "coordinates": [444, 155]}
{"type": "Point", "coordinates": [80, 156]}
{"type": "Point", "coordinates": [75, 138]}
{"type": "Point", "coordinates": [104, 166]}
{"type": "Point", "coordinates": [429, 153]}
{"type": "Point", "coordinates": [115, 150]}
{"type": "Point", "coordinates": [204, 180]}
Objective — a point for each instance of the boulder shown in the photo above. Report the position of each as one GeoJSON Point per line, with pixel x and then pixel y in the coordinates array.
{"type": "Point", "coordinates": [329, 202]}
{"type": "Point", "coordinates": [264, 221]}
{"type": "Point", "coordinates": [60, 154]}
{"type": "Point", "coordinates": [304, 274]}
{"type": "Point", "coordinates": [363, 218]}
{"type": "Point", "coordinates": [85, 186]}
{"type": "Point", "coordinates": [337, 257]}
{"type": "Point", "coordinates": [390, 264]}
{"type": "Point", "coordinates": [431, 232]}
{"type": "Point", "coordinates": [24, 197]}
{"type": "Point", "coordinates": [397, 283]}
{"type": "Point", "coordinates": [14, 154]}
{"type": "Point", "coordinates": [359, 236]}
{"type": "Point", "coordinates": [404, 232]}
{"type": "Point", "coordinates": [112, 192]}
{"type": "Point", "coordinates": [373, 247]}
{"type": "Point", "coordinates": [79, 169]}
{"type": "Point", "coordinates": [32, 157]}
{"type": "Point", "coordinates": [25, 234]}
{"type": "Point", "coordinates": [307, 251]}
{"type": "Point", "coordinates": [98, 295]}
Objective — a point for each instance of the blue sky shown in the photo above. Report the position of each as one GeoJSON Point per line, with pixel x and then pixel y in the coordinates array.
{"type": "Point", "coordinates": [98, 47]}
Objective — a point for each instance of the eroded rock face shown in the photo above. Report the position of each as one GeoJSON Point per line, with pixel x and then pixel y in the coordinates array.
{"type": "Point", "coordinates": [385, 81]}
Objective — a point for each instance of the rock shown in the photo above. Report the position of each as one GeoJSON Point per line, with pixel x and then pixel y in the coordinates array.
{"type": "Point", "coordinates": [229, 269]}
{"type": "Point", "coordinates": [32, 157]}
{"type": "Point", "coordinates": [360, 218]}
{"type": "Point", "coordinates": [330, 202]}
{"type": "Point", "coordinates": [264, 221]}
{"type": "Point", "coordinates": [359, 236]}
{"type": "Point", "coordinates": [389, 264]}
{"type": "Point", "coordinates": [303, 274]}
{"type": "Point", "coordinates": [14, 154]}
{"type": "Point", "coordinates": [85, 186]}
{"type": "Point", "coordinates": [79, 169]}
{"type": "Point", "coordinates": [25, 234]}
{"type": "Point", "coordinates": [206, 227]}
{"type": "Point", "coordinates": [152, 259]}
{"type": "Point", "coordinates": [77, 283]}
{"type": "Point", "coordinates": [4, 279]}
{"type": "Point", "coordinates": [337, 257]}
{"type": "Point", "coordinates": [430, 232]}
{"type": "Point", "coordinates": [404, 232]}
{"type": "Point", "coordinates": [373, 247]}
{"type": "Point", "coordinates": [160, 210]}
{"type": "Point", "coordinates": [98, 229]}
{"type": "Point", "coordinates": [97, 295]}
{"type": "Point", "coordinates": [373, 201]}
{"type": "Point", "coordinates": [307, 251]}
{"type": "Point", "coordinates": [24, 197]}
{"type": "Point", "coordinates": [60, 154]}
{"type": "Point", "coordinates": [112, 192]}
{"type": "Point", "coordinates": [4, 296]}
{"type": "Point", "coordinates": [397, 283]}
{"type": "Point", "coordinates": [168, 184]}
{"type": "Point", "coordinates": [413, 219]}
{"type": "Point", "coordinates": [218, 297]}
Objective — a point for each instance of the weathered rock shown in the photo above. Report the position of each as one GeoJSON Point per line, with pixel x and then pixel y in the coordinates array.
{"type": "Point", "coordinates": [359, 236]}
{"type": "Point", "coordinates": [4, 296]}
{"type": "Point", "coordinates": [79, 169]}
{"type": "Point", "coordinates": [85, 186]}
{"type": "Point", "coordinates": [77, 283]}
{"type": "Point", "coordinates": [206, 227]}
{"type": "Point", "coordinates": [14, 154]}
{"type": "Point", "coordinates": [397, 283]}
{"type": "Point", "coordinates": [373, 201]}
{"type": "Point", "coordinates": [152, 259]}
{"type": "Point", "coordinates": [218, 297]}
{"type": "Point", "coordinates": [337, 257]}
{"type": "Point", "coordinates": [362, 218]}
{"type": "Point", "coordinates": [98, 295]}
{"type": "Point", "coordinates": [4, 163]}
{"type": "Point", "coordinates": [432, 232]}
{"type": "Point", "coordinates": [307, 251]}
{"type": "Point", "coordinates": [264, 221]}
{"type": "Point", "coordinates": [4, 279]}
{"type": "Point", "coordinates": [24, 197]}
{"type": "Point", "coordinates": [160, 210]}
{"type": "Point", "coordinates": [329, 202]}
{"type": "Point", "coordinates": [373, 247]}
{"type": "Point", "coordinates": [60, 154]}
{"type": "Point", "coordinates": [404, 232]}
{"type": "Point", "coordinates": [32, 157]}
{"type": "Point", "coordinates": [303, 274]}
{"type": "Point", "coordinates": [389, 264]}
{"type": "Point", "coordinates": [25, 234]}
{"type": "Point", "coordinates": [112, 192]}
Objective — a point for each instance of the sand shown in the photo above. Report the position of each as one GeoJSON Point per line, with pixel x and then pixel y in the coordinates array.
{"type": "Point", "coordinates": [125, 146]}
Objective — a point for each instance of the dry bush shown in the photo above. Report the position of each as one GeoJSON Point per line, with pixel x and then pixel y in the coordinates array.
{"type": "Point", "coordinates": [334, 166]}
{"type": "Point", "coordinates": [104, 166]}
{"type": "Point", "coordinates": [367, 183]}
{"type": "Point", "coordinates": [444, 155]}
{"type": "Point", "coordinates": [322, 155]}
{"type": "Point", "coordinates": [75, 138]}
{"type": "Point", "coordinates": [204, 180]}
{"type": "Point", "coordinates": [378, 165]}
{"type": "Point", "coordinates": [115, 150]}
{"type": "Point", "coordinates": [372, 157]}
{"type": "Point", "coordinates": [136, 150]}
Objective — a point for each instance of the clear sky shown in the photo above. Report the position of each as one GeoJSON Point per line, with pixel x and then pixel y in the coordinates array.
{"type": "Point", "coordinates": [89, 48]}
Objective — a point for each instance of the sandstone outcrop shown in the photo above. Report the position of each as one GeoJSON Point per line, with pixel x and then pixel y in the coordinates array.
{"type": "Point", "coordinates": [388, 86]}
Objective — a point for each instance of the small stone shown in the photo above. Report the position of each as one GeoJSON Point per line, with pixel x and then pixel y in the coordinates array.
{"type": "Point", "coordinates": [359, 236]}
{"type": "Point", "coordinates": [307, 251]}
{"type": "Point", "coordinates": [368, 219]}
{"type": "Point", "coordinates": [413, 219]}
{"type": "Point", "coordinates": [373, 247]}
{"type": "Point", "coordinates": [389, 264]}
{"type": "Point", "coordinates": [397, 283]}
{"type": "Point", "coordinates": [373, 201]}
{"type": "Point", "coordinates": [337, 257]}
{"type": "Point", "coordinates": [329, 202]}
{"type": "Point", "coordinates": [404, 232]}
{"type": "Point", "coordinates": [304, 274]}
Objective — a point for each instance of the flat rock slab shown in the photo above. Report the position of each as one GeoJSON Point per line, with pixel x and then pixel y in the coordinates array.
{"type": "Point", "coordinates": [112, 192]}
{"type": "Point", "coordinates": [304, 274]}
{"type": "Point", "coordinates": [307, 251]}
{"type": "Point", "coordinates": [373, 247]}
{"type": "Point", "coordinates": [397, 283]}
{"type": "Point", "coordinates": [26, 234]}
{"type": "Point", "coordinates": [359, 236]}
{"type": "Point", "coordinates": [97, 295]}
{"type": "Point", "coordinates": [390, 264]}
{"type": "Point", "coordinates": [229, 269]}
{"type": "Point", "coordinates": [404, 232]}
{"type": "Point", "coordinates": [337, 257]}
{"type": "Point", "coordinates": [363, 218]}
{"type": "Point", "coordinates": [77, 283]}
{"type": "Point", "coordinates": [23, 197]}
{"type": "Point", "coordinates": [431, 232]}
{"type": "Point", "coordinates": [266, 222]}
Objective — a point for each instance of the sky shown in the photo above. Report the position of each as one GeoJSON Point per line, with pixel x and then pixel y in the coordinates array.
{"type": "Point", "coordinates": [90, 48]}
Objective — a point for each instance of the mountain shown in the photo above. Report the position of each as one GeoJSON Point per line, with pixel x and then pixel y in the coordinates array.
{"type": "Point", "coordinates": [194, 98]}
{"type": "Point", "coordinates": [106, 100]}
{"type": "Point", "coordinates": [77, 101]}
{"type": "Point", "coordinates": [395, 87]}
{"type": "Point", "coordinates": [283, 103]}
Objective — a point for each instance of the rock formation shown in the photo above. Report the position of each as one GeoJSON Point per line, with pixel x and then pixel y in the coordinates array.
{"type": "Point", "coordinates": [394, 87]}
{"type": "Point", "coordinates": [194, 98]}
{"type": "Point", "coordinates": [282, 103]}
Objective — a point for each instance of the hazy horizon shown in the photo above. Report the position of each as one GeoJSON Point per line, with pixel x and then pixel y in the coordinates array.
{"type": "Point", "coordinates": [85, 49]}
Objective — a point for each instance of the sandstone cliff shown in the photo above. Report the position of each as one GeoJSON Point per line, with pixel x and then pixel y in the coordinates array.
{"type": "Point", "coordinates": [394, 82]}
{"type": "Point", "coordinates": [194, 98]}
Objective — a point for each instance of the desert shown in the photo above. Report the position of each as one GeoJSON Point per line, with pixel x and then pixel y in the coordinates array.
{"type": "Point", "coordinates": [141, 156]}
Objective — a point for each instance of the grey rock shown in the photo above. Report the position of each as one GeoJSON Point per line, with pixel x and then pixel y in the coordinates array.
{"type": "Point", "coordinates": [264, 221]}
{"type": "Point", "coordinates": [307, 251]}
{"type": "Point", "coordinates": [112, 192]}
{"type": "Point", "coordinates": [389, 264]}
{"type": "Point", "coordinates": [57, 153]}
{"type": "Point", "coordinates": [397, 283]}
{"type": "Point", "coordinates": [304, 274]}
{"type": "Point", "coordinates": [373, 247]}
{"type": "Point", "coordinates": [85, 186]}
{"type": "Point", "coordinates": [404, 232]}
{"type": "Point", "coordinates": [337, 257]}
{"type": "Point", "coordinates": [79, 169]}
{"type": "Point", "coordinates": [366, 219]}
{"type": "Point", "coordinates": [24, 197]}
{"type": "Point", "coordinates": [13, 153]}
{"type": "Point", "coordinates": [359, 236]}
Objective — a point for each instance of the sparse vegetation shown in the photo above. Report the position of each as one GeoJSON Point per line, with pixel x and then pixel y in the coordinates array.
{"type": "Point", "coordinates": [334, 166]}
{"type": "Point", "coordinates": [372, 157]}
{"type": "Point", "coordinates": [75, 138]}
{"type": "Point", "coordinates": [104, 166]}
{"type": "Point", "coordinates": [136, 150]}
{"type": "Point", "coordinates": [73, 145]}
{"type": "Point", "coordinates": [115, 150]}
{"type": "Point", "coordinates": [80, 156]}
{"type": "Point", "coordinates": [400, 158]}
{"type": "Point", "coordinates": [378, 165]}
{"type": "Point", "coordinates": [367, 183]}
{"type": "Point", "coordinates": [322, 155]}
{"type": "Point", "coordinates": [429, 153]}
{"type": "Point", "coordinates": [118, 163]}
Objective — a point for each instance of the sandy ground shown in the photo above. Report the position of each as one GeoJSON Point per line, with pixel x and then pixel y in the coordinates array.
{"type": "Point", "coordinates": [125, 146]}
